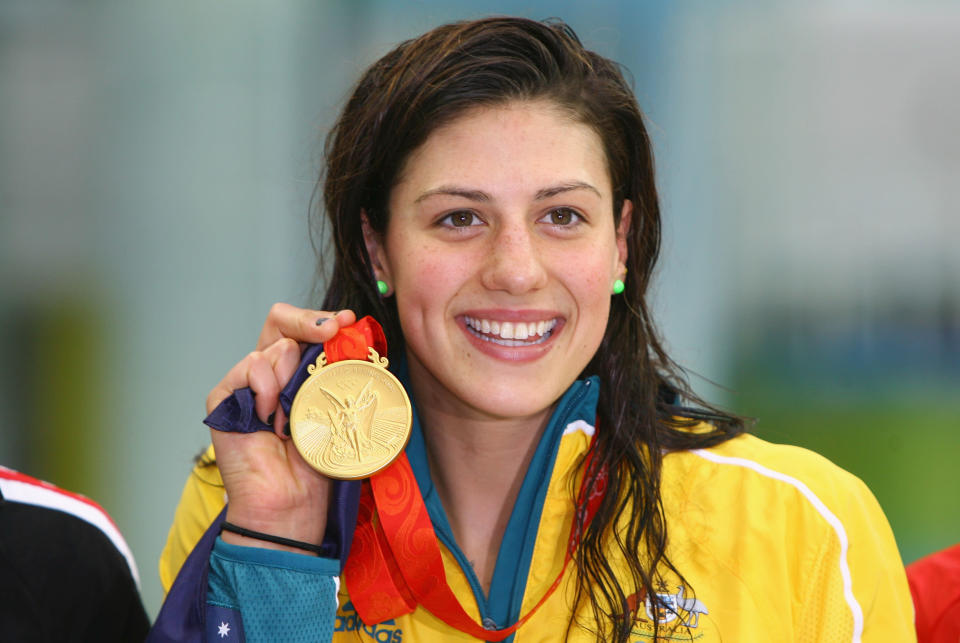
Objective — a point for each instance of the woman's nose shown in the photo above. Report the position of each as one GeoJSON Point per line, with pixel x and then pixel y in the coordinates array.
{"type": "Point", "coordinates": [515, 263]}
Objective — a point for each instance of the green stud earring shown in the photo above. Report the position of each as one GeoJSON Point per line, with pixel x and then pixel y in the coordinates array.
{"type": "Point", "coordinates": [382, 286]}
{"type": "Point", "coordinates": [618, 286]}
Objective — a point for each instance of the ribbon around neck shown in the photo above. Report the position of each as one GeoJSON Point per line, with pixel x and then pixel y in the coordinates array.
{"type": "Point", "coordinates": [395, 562]}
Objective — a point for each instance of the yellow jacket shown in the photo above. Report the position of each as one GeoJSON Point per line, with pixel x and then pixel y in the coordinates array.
{"type": "Point", "coordinates": [775, 542]}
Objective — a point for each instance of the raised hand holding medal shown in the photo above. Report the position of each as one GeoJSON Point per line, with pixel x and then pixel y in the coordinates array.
{"type": "Point", "coordinates": [270, 487]}
{"type": "Point", "coordinates": [349, 420]}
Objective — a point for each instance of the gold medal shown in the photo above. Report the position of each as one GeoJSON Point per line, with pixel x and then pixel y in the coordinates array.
{"type": "Point", "coordinates": [350, 418]}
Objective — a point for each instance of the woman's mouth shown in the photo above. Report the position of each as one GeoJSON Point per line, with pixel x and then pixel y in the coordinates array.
{"type": "Point", "coordinates": [511, 333]}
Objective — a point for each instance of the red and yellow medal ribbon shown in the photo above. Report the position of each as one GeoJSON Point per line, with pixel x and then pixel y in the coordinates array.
{"type": "Point", "coordinates": [395, 561]}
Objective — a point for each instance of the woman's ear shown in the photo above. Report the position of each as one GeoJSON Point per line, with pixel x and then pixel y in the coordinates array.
{"type": "Point", "coordinates": [623, 230]}
{"type": "Point", "coordinates": [376, 252]}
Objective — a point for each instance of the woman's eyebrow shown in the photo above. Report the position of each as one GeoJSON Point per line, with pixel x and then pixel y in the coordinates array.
{"type": "Point", "coordinates": [481, 196]}
{"type": "Point", "coordinates": [546, 193]}
{"type": "Point", "coordinates": [453, 190]}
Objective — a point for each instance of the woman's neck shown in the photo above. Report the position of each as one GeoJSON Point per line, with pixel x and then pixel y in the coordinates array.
{"type": "Point", "coordinates": [477, 466]}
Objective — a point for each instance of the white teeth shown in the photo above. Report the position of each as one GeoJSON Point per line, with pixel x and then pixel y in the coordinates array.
{"type": "Point", "coordinates": [513, 333]}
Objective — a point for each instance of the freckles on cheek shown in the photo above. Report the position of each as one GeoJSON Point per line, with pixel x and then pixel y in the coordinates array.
{"type": "Point", "coordinates": [430, 276]}
{"type": "Point", "coordinates": [423, 288]}
{"type": "Point", "coordinates": [594, 277]}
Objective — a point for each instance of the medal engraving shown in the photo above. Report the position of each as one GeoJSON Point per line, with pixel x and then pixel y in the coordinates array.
{"type": "Point", "coordinates": [351, 418]}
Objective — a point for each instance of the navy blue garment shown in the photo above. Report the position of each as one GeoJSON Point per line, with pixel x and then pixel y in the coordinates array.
{"type": "Point", "coordinates": [181, 618]}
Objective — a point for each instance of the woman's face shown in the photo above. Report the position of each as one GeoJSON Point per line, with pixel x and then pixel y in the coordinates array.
{"type": "Point", "coordinates": [501, 250]}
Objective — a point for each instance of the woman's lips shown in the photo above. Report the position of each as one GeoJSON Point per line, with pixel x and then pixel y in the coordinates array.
{"type": "Point", "coordinates": [511, 335]}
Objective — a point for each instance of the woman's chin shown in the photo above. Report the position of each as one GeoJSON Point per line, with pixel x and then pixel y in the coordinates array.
{"type": "Point", "coordinates": [506, 402]}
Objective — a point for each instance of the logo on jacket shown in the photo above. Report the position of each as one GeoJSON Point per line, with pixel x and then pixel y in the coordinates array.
{"type": "Point", "coordinates": [675, 610]}
{"type": "Point", "coordinates": [349, 621]}
{"type": "Point", "coordinates": [224, 624]}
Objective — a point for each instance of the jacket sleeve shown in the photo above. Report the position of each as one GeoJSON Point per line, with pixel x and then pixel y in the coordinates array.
{"type": "Point", "coordinates": [857, 588]}
{"type": "Point", "coordinates": [268, 595]}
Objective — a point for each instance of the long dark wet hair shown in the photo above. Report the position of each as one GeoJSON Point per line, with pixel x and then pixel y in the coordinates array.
{"type": "Point", "coordinates": [430, 81]}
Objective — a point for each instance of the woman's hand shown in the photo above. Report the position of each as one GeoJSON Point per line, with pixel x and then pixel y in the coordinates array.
{"type": "Point", "coordinates": [269, 486]}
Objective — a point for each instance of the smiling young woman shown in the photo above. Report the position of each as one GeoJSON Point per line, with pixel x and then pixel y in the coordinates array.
{"type": "Point", "coordinates": [504, 216]}
{"type": "Point", "coordinates": [502, 249]}
{"type": "Point", "coordinates": [561, 480]}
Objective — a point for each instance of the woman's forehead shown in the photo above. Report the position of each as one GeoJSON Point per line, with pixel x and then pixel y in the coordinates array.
{"type": "Point", "coordinates": [530, 146]}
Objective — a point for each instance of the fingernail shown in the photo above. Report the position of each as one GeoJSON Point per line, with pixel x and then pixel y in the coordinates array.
{"type": "Point", "coordinates": [286, 429]}
{"type": "Point", "coordinates": [270, 418]}
{"type": "Point", "coordinates": [322, 320]}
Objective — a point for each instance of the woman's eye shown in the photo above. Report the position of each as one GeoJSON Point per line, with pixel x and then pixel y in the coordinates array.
{"type": "Point", "coordinates": [460, 219]}
{"type": "Point", "coordinates": [562, 217]}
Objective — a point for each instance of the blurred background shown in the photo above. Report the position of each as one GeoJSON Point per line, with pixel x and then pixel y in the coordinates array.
{"type": "Point", "coordinates": [157, 162]}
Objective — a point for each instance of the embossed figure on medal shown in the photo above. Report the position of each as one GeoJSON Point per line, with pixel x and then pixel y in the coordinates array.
{"type": "Point", "coordinates": [350, 418]}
